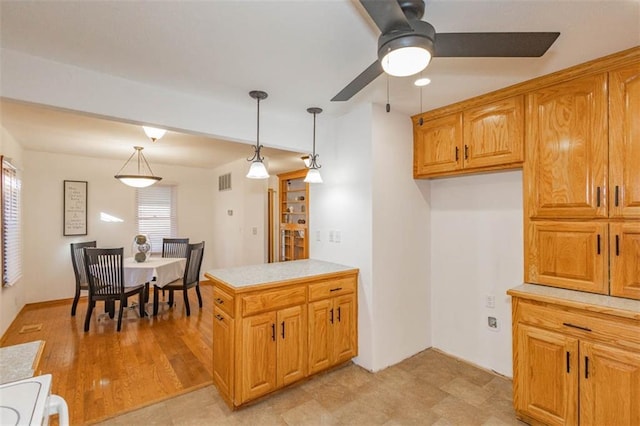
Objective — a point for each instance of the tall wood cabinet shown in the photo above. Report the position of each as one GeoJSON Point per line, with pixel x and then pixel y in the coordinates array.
{"type": "Point", "coordinates": [270, 335]}
{"type": "Point", "coordinates": [576, 360]}
{"type": "Point", "coordinates": [294, 215]}
{"type": "Point", "coordinates": [582, 183]}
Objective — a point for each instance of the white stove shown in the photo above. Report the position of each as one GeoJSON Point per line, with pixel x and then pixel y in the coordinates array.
{"type": "Point", "coordinates": [29, 402]}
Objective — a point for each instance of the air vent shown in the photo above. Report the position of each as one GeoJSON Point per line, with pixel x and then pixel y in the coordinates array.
{"type": "Point", "coordinates": [224, 182]}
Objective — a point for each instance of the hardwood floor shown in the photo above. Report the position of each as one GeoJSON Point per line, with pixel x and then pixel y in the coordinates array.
{"type": "Point", "coordinates": [102, 372]}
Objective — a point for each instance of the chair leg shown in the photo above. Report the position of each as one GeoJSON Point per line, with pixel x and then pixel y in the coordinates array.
{"type": "Point", "coordinates": [156, 295]}
{"type": "Point", "coordinates": [87, 320]}
{"type": "Point", "coordinates": [75, 302]}
{"type": "Point", "coordinates": [122, 303]}
{"type": "Point", "coordinates": [185, 294]}
{"type": "Point", "coordinates": [199, 295]}
{"type": "Point", "coordinates": [142, 301]}
{"type": "Point", "coordinates": [171, 298]}
{"type": "Point", "coordinates": [110, 307]}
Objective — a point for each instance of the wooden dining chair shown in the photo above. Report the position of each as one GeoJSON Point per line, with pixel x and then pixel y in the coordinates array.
{"type": "Point", "coordinates": [77, 259]}
{"type": "Point", "coordinates": [174, 247]}
{"type": "Point", "coordinates": [190, 279]}
{"type": "Point", "coordinates": [105, 275]}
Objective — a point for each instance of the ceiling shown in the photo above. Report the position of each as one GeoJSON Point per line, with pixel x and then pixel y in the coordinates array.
{"type": "Point", "coordinates": [302, 52]}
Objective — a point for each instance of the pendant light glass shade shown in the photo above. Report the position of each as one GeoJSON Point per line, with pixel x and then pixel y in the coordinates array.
{"type": "Point", "coordinates": [313, 175]}
{"type": "Point", "coordinates": [257, 170]}
{"type": "Point", "coordinates": [153, 133]}
{"type": "Point", "coordinates": [143, 177]}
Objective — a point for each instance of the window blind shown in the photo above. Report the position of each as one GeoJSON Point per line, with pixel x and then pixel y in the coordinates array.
{"type": "Point", "coordinates": [11, 226]}
{"type": "Point", "coordinates": [156, 214]}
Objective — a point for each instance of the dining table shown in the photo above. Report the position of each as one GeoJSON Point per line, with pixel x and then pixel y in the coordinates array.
{"type": "Point", "coordinates": [159, 270]}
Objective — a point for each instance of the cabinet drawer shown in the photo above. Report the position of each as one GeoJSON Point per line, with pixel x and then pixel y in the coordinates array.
{"type": "Point", "coordinates": [621, 332]}
{"type": "Point", "coordinates": [271, 300]}
{"type": "Point", "coordinates": [223, 300]}
{"type": "Point", "coordinates": [332, 288]}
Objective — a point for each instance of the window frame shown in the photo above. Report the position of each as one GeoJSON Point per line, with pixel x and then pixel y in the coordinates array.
{"type": "Point", "coordinates": [154, 232]}
{"type": "Point", "coordinates": [10, 223]}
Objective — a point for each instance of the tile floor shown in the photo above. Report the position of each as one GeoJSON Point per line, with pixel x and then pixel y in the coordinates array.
{"type": "Point", "coordinates": [429, 388]}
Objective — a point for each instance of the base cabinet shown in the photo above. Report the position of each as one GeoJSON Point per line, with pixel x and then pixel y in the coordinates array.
{"type": "Point", "coordinates": [575, 366]}
{"type": "Point", "coordinates": [271, 337]}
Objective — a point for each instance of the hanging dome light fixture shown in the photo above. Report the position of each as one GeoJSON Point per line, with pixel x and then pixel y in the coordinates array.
{"type": "Point", "coordinates": [257, 169]}
{"type": "Point", "coordinates": [313, 175]}
{"type": "Point", "coordinates": [141, 179]}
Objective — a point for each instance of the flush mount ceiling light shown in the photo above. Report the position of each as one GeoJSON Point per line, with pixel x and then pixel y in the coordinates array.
{"type": "Point", "coordinates": [313, 175]}
{"type": "Point", "coordinates": [422, 81]}
{"type": "Point", "coordinates": [257, 169]}
{"type": "Point", "coordinates": [141, 179]}
{"type": "Point", "coordinates": [153, 133]}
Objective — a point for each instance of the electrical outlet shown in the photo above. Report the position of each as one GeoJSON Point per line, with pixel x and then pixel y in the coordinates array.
{"type": "Point", "coordinates": [254, 230]}
{"type": "Point", "coordinates": [330, 236]}
{"type": "Point", "coordinates": [490, 301]}
{"type": "Point", "coordinates": [492, 323]}
{"type": "Point", "coordinates": [317, 235]}
{"type": "Point", "coordinates": [336, 237]}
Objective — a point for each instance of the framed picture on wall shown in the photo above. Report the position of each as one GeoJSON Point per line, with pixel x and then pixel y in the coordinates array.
{"type": "Point", "coordinates": [75, 207]}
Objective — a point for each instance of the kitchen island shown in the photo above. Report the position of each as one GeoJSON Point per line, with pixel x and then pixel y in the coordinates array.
{"type": "Point", "coordinates": [276, 324]}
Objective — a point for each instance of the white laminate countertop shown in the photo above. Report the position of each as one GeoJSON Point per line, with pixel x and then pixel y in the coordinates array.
{"type": "Point", "coordinates": [596, 302]}
{"type": "Point", "coordinates": [247, 276]}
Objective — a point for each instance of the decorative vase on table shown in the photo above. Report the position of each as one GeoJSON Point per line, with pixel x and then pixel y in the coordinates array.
{"type": "Point", "coordinates": [141, 248]}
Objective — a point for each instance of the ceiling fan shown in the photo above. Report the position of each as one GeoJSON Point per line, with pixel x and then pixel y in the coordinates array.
{"type": "Point", "coordinates": [407, 44]}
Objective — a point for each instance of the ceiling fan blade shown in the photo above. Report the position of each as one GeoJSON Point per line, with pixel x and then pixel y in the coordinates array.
{"type": "Point", "coordinates": [387, 15]}
{"type": "Point", "coordinates": [531, 44]}
{"type": "Point", "coordinates": [360, 82]}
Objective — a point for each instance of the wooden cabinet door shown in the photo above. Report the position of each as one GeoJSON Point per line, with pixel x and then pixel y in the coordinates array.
{"type": "Point", "coordinates": [624, 142]}
{"type": "Point", "coordinates": [494, 134]}
{"type": "Point", "coordinates": [438, 145]}
{"type": "Point", "coordinates": [545, 376]}
{"type": "Point", "coordinates": [609, 386]}
{"type": "Point", "coordinates": [319, 335]}
{"type": "Point", "coordinates": [345, 336]}
{"type": "Point", "coordinates": [625, 259]}
{"type": "Point", "coordinates": [258, 355]}
{"type": "Point", "coordinates": [567, 150]}
{"type": "Point", "coordinates": [292, 344]}
{"type": "Point", "coordinates": [571, 255]}
{"type": "Point", "coordinates": [223, 352]}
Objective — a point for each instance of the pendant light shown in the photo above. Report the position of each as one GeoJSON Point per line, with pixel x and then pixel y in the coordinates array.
{"type": "Point", "coordinates": [313, 175]}
{"type": "Point", "coordinates": [153, 133]}
{"type": "Point", "coordinates": [257, 169]}
{"type": "Point", "coordinates": [141, 179]}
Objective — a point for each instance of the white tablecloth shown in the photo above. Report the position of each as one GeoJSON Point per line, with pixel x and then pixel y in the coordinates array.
{"type": "Point", "coordinates": [164, 269]}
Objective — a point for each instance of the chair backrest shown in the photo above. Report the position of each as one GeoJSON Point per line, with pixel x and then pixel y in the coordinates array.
{"type": "Point", "coordinates": [174, 247]}
{"type": "Point", "coordinates": [194, 261]}
{"type": "Point", "coordinates": [77, 259]}
{"type": "Point", "coordinates": [104, 270]}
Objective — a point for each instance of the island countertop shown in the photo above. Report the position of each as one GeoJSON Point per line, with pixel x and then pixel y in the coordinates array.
{"type": "Point", "coordinates": [270, 273]}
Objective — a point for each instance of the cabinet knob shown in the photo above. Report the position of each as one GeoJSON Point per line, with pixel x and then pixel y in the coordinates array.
{"type": "Point", "coordinates": [219, 301]}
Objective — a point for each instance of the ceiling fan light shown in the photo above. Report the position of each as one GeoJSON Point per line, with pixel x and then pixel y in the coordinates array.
{"type": "Point", "coordinates": [313, 176]}
{"type": "Point", "coordinates": [257, 170]}
{"type": "Point", "coordinates": [405, 61]}
{"type": "Point", "coordinates": [153, 133]}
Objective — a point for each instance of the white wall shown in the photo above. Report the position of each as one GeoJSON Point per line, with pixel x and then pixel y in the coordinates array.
{"type": "Point", "coordinates": [402, 320]}
{"type": "Point", "coordinates": [343, 203]}
{"type": "Point", "coordinates": [13, 298]}
{"type": "Point", "coordinates": [48, 271]}
{"type": "Point", "coordinates": [234, 243]}
{"type": "Point", "coordinates": [476, 250]}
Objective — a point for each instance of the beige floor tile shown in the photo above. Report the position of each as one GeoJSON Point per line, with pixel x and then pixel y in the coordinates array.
{"type": "Point", "coordinates": [310, 413]}
{"type": "Point", "coordinates": [467, 391]}
{"type": "Point", "coordinates": [459, 412]}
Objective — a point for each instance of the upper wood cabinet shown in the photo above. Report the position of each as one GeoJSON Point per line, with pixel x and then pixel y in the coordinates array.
{"type": "Point", "coordinates": [566, 168]}
{"type": "Point", "coordinates": [486, 137]}
{"type": "Point", "coordinates": [624, 142]}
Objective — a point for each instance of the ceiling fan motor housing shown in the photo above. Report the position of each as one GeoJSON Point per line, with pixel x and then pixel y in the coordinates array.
{"type": "Point", "coordinates": [423, 35]}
